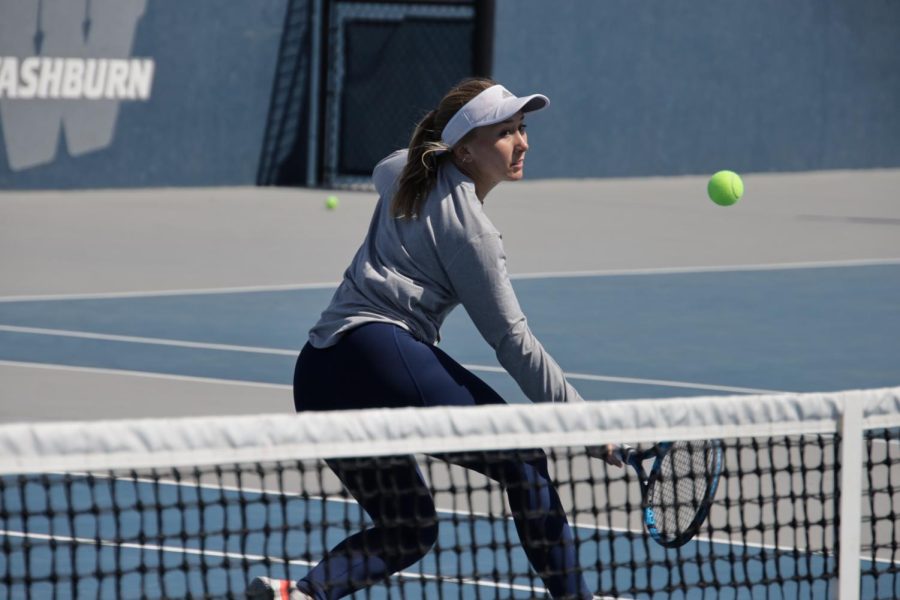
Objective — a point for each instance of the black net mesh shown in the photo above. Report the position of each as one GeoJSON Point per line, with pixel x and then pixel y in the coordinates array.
{"type": "Point", "coordinates": [456, 526]}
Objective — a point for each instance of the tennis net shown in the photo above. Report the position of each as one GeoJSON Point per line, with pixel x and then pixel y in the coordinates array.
{"type": "Point", "coordinates": [808, 504]}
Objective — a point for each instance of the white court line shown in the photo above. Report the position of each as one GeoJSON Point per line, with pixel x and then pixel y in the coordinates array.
{"type": "Point", "coordinates": [872, 262]}
{"type": "Point", "coordinates": [281, 352]}
{"type": "Point", "coordinates": [256, 557]}
{"type": "Point", "coordinates": [146, 340]}
{"type": "Point", "coordinates": [147, 374]}
{"type": "Point", "coordinates": [538, 275]}
{"type": "Point", "coordinates": [639, 381]}
{"type": "Point", "coordinates": [179, 292]}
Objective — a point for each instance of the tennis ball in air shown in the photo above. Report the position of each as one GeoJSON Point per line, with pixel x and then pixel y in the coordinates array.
{"type": "Point", "coordinates": [725, 187]}
{"type": "Point", "coordinates": [331, 202]}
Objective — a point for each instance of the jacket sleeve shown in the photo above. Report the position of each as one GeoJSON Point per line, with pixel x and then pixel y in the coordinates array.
{"type": "Point", "coordinates": [481, 282]}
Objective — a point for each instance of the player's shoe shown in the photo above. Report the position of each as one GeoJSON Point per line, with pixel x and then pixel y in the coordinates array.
{"type": "Point", "coordinates": [264, 588]}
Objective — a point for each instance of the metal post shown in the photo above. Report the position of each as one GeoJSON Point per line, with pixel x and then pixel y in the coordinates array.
{"type": "Point", "coordinates": [315, 41]}
{"type": "Point", "coordinates": [851, 504]}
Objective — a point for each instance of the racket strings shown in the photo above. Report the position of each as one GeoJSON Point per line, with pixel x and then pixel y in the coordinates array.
{"type": "Point", "coordinates": [681, 487]}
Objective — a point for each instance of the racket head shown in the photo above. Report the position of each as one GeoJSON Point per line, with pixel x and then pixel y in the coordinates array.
{"type": "Point", "coordinates": [680, 489]}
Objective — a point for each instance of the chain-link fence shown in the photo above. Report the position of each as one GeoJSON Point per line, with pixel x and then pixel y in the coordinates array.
{"type": "Point", "coordinates": [353, 78]}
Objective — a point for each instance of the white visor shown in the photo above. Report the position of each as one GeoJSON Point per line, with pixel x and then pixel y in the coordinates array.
{"type": "Point", "coordinates": [493, 105]}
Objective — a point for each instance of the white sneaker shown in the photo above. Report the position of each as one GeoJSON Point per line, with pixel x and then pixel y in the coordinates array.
{"type": "Point", "coordinates": [264, 588]}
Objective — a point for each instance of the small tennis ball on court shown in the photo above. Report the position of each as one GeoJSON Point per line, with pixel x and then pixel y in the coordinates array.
{"type": "Point", "coordinates": [725, 188]}
{"type": "Point", "coordinates": [331, 202]}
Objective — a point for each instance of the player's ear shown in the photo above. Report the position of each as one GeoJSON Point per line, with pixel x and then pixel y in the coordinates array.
{"type": "Point", "coordinates": [463, 153]}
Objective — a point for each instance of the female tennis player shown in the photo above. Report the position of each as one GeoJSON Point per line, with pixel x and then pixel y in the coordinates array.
{"type": "Point", "coordinates": [430, 247]}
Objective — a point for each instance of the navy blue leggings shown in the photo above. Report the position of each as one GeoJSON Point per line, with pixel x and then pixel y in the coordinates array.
{"type": "Point", "coordinates": [382, 365]}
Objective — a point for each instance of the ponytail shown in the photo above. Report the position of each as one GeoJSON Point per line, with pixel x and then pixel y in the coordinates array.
{"type": "Point", "coordinates": [427, 153]}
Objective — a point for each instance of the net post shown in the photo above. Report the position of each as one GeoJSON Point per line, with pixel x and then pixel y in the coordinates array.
{"type": "Point", "coordinates": [851, 429]}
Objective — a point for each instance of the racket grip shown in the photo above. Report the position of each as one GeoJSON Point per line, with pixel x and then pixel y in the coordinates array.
{"type": "Point", "coordinates": [624, 452]}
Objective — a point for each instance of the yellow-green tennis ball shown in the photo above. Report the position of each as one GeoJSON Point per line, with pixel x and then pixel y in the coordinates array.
{"type": "Point", "coordinates": [331, 202]}
{"type": "Point", "coordinates": [725, 188]}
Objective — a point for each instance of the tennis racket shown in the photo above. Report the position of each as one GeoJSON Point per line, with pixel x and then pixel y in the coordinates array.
{"type": "Point", "coordinates": [679, 489]}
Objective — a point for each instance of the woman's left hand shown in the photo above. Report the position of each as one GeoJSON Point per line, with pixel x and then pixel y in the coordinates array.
{"type": "Point", "coordinates": [606, 453]}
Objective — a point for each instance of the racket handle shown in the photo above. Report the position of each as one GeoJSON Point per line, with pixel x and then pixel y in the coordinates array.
{"type": "Point", "coordinates": [624, 452]}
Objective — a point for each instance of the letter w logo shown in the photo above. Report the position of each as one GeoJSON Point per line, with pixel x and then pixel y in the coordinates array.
{"type": "Point", "coordinates": [69, 29]}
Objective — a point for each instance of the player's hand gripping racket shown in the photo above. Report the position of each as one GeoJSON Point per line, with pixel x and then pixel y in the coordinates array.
{"type": "Point", "coordinates": [679, 488]}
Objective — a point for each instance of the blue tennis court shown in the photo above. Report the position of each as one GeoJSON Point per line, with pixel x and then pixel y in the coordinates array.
{"type": "Point", "coordinates": [653, 334]}
{"type": "Point", "coordinates": [618, 336]}
{"type": "Point", "coordinates": [204, 550]}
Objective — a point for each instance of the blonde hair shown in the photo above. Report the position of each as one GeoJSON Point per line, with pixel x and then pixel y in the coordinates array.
{"type": "Point", "coordinates": [426, 150]}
